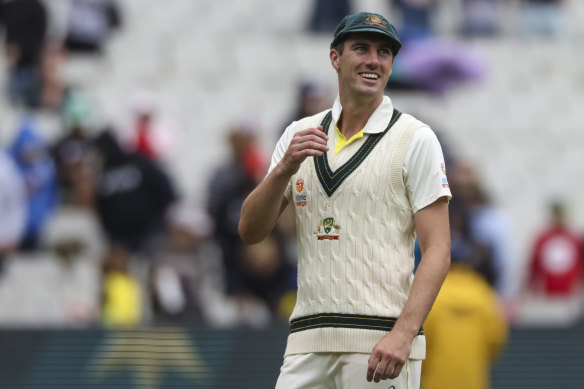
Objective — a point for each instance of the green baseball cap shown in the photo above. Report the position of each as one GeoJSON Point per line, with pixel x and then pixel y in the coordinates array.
{"type": "Point", "coordinates": [367, 22]}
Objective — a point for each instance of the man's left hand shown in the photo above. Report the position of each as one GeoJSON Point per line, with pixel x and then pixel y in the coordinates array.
{"type": "Point", "coordinates": [389, 356]}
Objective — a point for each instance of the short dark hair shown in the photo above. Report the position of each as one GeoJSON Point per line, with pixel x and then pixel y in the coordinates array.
{"type": "Point", "coordinates": [340, 47]}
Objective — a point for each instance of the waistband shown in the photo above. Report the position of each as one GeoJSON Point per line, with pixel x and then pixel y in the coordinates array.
{"type": "Point", "coordinates": [343, 320]}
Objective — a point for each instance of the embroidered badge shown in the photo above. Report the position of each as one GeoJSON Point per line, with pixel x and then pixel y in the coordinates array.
{"type": "Point", "coordinates": [376, 21]}
{"type": "Point", "coordinates": [328, 230]}
{"type": "Point", "coordinates": [301, 200]}
{"type": "Point", "coordinates": [299, 185]}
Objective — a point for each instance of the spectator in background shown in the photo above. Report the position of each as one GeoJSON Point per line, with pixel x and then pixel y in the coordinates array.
{"type": "Point", "coordinates": [480, 18]}
{"type": "Point", "coordinates": [311, 98]}
{"type": "Point", "coordinates": [71, 150]}
{"type": "Point", "coordinates": [54, 89]}
{"type": "Point", "coordinates": [416, 18]}
{"type": "Point", "coordinates": [121, 293]}
{"type": "Point", "coordinates": [12, 207]}
{"type": "Point", "coordinates": [132, 195]}
{"type": "Point", "coordinates": [466, 330]}
{"type": "Point", "coordinates": [557, 261]}
{"type": "Point", "coordinates": [25, 23]}
{"type": "Point", "coordinates": [32, 156]}
{"type": "Point", "coordinates": [267, 273]}
{"type": "Point", "coordinates": [89, 28]}
{"type": "Point", "coordinates": [556, 272]}
{"type": "Point", "coordinates": [90, 25]}
{"type": "Point", "coordinates": [464, 248]}
{"type": "Point", "coordinates": [489, 226]}
{"type": "Point", "coordinates": [326, 14]}
{"type": "Point", "coordinates": [229, 185]}
{"type": "Point", "coordinates": [149, 134]}
{"type": "Point", "coordinates": [543, 18]}
{"type": "Point", "coordinates": [187, 278]}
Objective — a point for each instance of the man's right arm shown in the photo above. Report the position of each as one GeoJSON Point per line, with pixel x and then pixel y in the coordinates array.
{"type": "Point", "coordinates": [265, 203]}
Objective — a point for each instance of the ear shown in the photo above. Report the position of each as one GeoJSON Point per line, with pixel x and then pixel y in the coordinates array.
{"type": "Point", "coordinates": [334, 57]}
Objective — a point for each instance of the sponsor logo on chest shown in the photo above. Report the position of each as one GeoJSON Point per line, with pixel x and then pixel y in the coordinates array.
{"type": "Point", "coordinates": [300, 198]}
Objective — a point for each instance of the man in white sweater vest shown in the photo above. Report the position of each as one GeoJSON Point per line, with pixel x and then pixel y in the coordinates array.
{"type": "Point", "coordinates": [364, 179]}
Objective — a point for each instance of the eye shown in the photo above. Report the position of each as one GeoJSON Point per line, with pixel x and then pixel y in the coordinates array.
{"type": "Point", "coordinates": [384, 52]}
{"type": "Point", "coordinates": [361, 49]}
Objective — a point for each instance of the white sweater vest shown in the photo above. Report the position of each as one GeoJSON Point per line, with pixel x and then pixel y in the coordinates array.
{"type": "Point", "coordinates": [356, 238]}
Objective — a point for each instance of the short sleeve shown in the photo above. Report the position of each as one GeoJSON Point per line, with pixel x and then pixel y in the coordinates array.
{"type": "Point", "coordinates": [279, 152]}
{"type": "Point", "coordinates": [425, 171]}
{"type": "Point", "coordinates": [281, 147]}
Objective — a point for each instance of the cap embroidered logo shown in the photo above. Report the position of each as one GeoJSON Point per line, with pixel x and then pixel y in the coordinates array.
{"type": "Point", "coordinates": [375, 20]}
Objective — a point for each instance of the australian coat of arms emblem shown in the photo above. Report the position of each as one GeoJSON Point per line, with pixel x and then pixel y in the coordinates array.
{"type": "Point", "coordinates": [328, 229]}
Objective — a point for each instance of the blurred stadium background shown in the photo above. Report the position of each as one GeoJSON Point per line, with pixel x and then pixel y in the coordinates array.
{"type": "Point", "coordinates": [503, 99]}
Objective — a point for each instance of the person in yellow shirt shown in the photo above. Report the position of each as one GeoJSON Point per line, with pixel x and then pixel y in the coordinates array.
{"type": "Point", "coordinates": [121, 294]}
{"type": "Point", "coordinates": [466, 330]}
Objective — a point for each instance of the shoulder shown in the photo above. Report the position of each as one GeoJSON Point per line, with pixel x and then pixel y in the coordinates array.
{"type": "Point", "coordinates": [410, 123]}
{"type": "Point", "coordinates": [409, 132]}
{"type": "Point", "coordinates": [422, 135]}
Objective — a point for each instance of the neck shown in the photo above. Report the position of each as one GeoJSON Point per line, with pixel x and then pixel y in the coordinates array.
{"type": "Point", "coordinates": [355, 114]}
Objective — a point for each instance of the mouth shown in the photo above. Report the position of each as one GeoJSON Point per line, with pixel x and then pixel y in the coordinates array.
{"type": "Point", "coordinates": [369, 76]}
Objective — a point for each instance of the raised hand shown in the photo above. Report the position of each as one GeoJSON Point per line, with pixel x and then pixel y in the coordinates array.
{"type": "Point", "coordinates": [305, 143]}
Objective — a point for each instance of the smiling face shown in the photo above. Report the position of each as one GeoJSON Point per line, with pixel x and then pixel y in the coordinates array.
{"type": "Point", "coordinates": [364, 65]}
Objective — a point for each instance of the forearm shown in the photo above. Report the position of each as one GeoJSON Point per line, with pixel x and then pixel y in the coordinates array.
{"type": "Point", "coordinates": [427, 282]}
{"type": "Point", "coordinates": [392, 351]}
{"type": "Point", "coordinates": [263, 206]}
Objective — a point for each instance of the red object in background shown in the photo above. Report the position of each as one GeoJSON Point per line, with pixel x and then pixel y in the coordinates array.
{"type": "Point", "coordinates": [558, 262]}
{"type": "Point", "coordinates": [144, 140]}
{"type": "Point", "coordinates": [254, 162]}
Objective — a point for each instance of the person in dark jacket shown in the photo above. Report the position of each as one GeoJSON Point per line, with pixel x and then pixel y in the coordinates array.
{"type": "Point", "coordinates": [25, 23]}
{"type": "Point", "coordinates": [90, 24]}
{"type": "Point", "coordinates": [132, 194]}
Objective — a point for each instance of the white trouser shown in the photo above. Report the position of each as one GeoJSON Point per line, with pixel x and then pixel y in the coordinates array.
{"type": "Point", "coordinates": [341, 371]}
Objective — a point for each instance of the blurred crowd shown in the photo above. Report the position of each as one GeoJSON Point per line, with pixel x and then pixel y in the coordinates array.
{"type": "Point", "coordinates": [160, 259]}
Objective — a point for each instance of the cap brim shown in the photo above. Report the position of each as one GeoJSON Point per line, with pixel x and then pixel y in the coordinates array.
{"type": "Point", "coordinates": [396, 44]}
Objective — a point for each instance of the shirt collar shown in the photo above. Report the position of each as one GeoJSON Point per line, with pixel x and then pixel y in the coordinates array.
{"type": "Point", "coordinates": [378, 121]}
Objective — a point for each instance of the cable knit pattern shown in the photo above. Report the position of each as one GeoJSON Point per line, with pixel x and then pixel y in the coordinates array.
{"type": "Point", "coordinates": [355, 247]}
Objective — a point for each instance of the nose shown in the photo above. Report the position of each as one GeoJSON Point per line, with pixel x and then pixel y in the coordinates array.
{"type": "Point", "coordinates": [372, 59]}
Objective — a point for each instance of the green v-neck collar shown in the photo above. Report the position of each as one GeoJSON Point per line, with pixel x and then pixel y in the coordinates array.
{"type": "Point", "coordinates": [330, 180]}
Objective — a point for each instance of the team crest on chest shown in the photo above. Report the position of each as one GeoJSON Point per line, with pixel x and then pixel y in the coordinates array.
{"type": "Point", "coordinates": [300, 197]}
{"type": "Point", "coordinates": [328, 229]}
